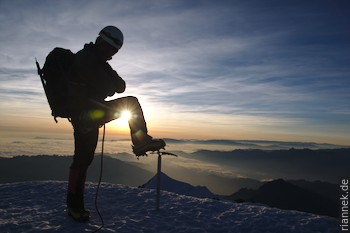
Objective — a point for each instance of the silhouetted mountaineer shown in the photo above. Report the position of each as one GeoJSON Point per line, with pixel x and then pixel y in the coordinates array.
{"type": "Point", "coordinates": [92, 80]}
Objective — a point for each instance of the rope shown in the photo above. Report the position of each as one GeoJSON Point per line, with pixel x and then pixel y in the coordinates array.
{"type": "Point", "coordinates": [99, 181]}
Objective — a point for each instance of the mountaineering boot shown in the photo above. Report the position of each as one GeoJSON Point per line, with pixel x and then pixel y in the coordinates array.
{"type": "Point", "coordinates": [78, 214]}
{"type": "Point", "coordinates": [148, 145]}
{"type": "Point", "coordinates": [76, 209]}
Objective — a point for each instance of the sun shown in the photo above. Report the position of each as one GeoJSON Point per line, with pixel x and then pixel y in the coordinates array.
{"type": "Point", "coordinates": [126, 115]}
{"type": "Point", "coordinates": [123, 121]}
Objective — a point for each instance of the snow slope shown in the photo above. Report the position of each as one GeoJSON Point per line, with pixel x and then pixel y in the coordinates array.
{"type": "Point", "coordinates": [39, 206]}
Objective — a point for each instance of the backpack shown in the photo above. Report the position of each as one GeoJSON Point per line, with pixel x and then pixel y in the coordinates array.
{"type": "Point", "coordinates": [54, 78]}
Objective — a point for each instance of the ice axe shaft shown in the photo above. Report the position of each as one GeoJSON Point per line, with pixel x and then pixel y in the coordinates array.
{"type": "Point", "coordinates": [159, 172]}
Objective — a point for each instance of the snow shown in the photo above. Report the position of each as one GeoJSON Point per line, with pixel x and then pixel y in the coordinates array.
{"type": "Point", "coordinates": [40, 206]}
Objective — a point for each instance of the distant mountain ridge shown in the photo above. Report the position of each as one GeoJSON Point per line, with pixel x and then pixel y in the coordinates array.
{"type": "Point", "coordinates": [292, 164]}
{"type": "Point", "coordinates": [179, 187]}
{"type": "Point", "coordinates": [259, 144]}
{"type": "Point", "coordinates": [50, 167]}
{"type": "Point", "coordinates": [289, 195]}
{"type": "Point", "coordinates": [55, 167]}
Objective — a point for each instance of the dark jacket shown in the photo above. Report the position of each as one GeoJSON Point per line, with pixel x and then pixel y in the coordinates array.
{"type": "Point", "coordinates": [92, 80]}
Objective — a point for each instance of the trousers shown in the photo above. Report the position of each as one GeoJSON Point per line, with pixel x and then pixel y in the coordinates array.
{"type": "Point", "coordinates": [86, 131]}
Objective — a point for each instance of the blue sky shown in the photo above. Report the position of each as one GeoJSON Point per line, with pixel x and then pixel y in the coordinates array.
{"type": "Point", "coordinates": [272, 70]}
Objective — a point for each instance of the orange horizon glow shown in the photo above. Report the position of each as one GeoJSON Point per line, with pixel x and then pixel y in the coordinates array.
{"type": "Point", "coordinates": [161, 125]}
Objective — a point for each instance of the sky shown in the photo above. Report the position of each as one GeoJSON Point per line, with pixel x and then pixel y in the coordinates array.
{"type": "Point", "coordinates": [245, 70]}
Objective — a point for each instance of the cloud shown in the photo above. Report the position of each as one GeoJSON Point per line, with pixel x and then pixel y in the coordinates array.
{"type": "Point", "coordinates": [241, 62]}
